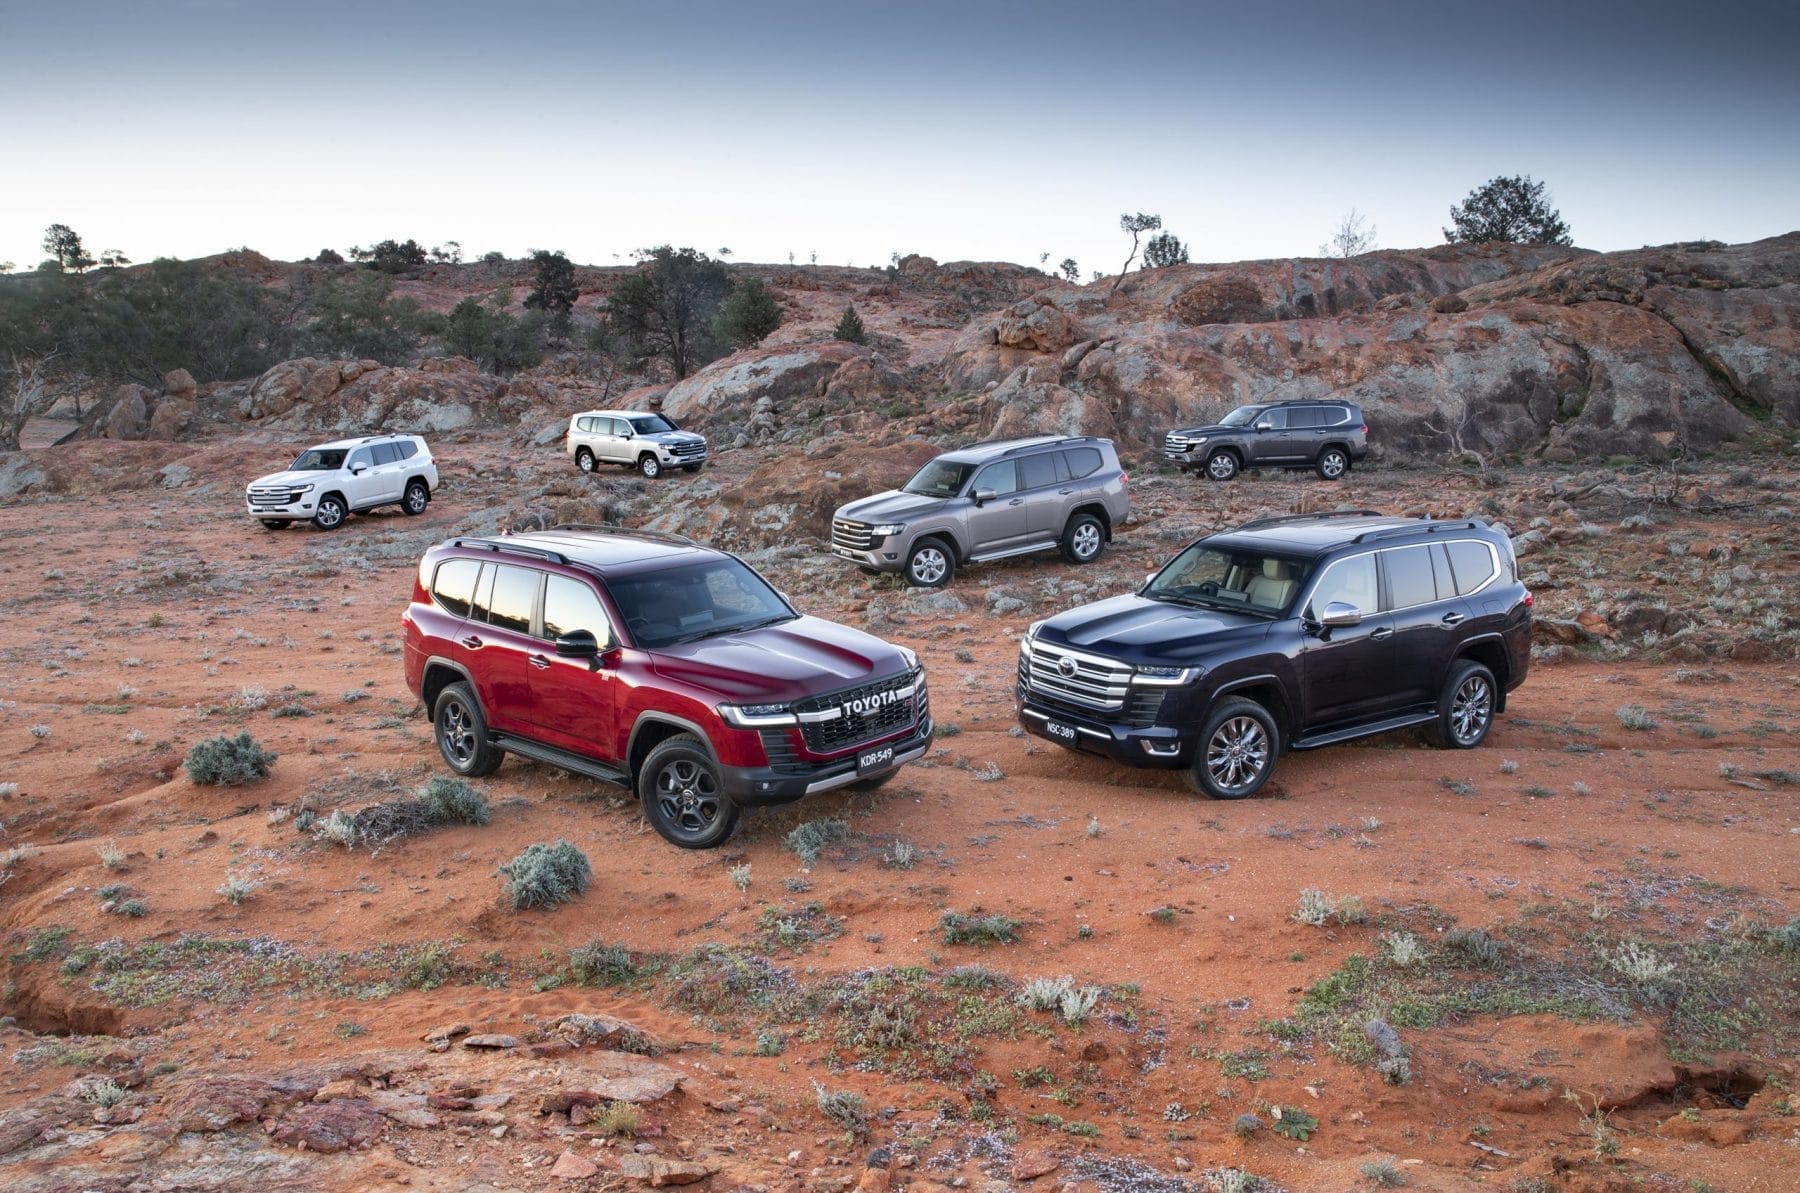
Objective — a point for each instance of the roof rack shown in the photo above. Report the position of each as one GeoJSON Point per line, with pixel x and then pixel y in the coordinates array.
{"type": "Point", "coordinates": [512, 548]}
{"type": "Point", "coordinates": [1046, 441]}
{"type": "Point", "coordinates": [667, 536]}
{"type": "Point", "coordinates": [1287, 519]}
{"type": "Point", "coordinates": [383, 435]}
{"type": "Point", "coordinates": [1427, 525]}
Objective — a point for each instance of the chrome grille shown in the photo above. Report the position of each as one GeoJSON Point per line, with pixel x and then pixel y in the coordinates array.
{"type": "Point", "coordinates": [830, 723]}
{"type": "Point", "coordinates": [688, 451]}
{"type": "Point", "coordinates": [1175, 444]}
{"type": "Point", "coordinates": [854, 535]}
{"type": "Point", "coordinates": [1082, 680]}
{"type": "Point", "coordinates": [269, 496]}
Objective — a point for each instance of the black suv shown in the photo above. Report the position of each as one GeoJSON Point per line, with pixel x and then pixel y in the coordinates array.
{"type": "Point", "coordinates": [1327, 436]}
{"type": "Point", "coordinates": [1285, 634]}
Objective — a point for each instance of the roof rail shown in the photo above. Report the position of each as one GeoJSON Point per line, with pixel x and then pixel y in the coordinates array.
{"type": "Point", "coordinates": [512, 548]}
{"type": "Point", "coordinates": [1426, 524]}
{"type": "Point", "coordinates": [1287, 519]}
{"type": "Point", "coordinates": [667, 536]}
{"type": "Point", "coordinates": [1049, 440]}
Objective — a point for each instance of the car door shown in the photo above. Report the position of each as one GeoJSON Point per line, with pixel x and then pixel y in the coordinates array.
{"type": "Point", "coordinates": [1266, 443]}
{"type": "Point", "coordinates": [359, 481]}
{"type": "Point", "coordinates": [1044, 484]}
{"type": "Point", "coordinates": [1304, 430]}
{"type": "Point", "coordinates": [1001, 521]}
{"type": "Point", "coordinates": [389, 471]}
{"type": "Point", "coordinates": [574, 701]}
{"type": "Point", "coordinates": [1344, 667]}
{"type": "Point", "coordinates": [498, 641]}
{"type": "Point", "coordinates": [1420, 596]}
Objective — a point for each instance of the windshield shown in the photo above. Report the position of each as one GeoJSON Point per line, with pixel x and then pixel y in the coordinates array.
{"type": "Point", "coordinates": [698, 601]}
{"type": "Point", "coordinates": [1243, 416]}
{"type": "Point", "coordinates": [1244, 581]}
{"type": "Point", "coordinates": [650, 424]}
{"type": "Point", "coordinates": [939, 478]}
{"type": "Point", "coordinates": [319, 459]}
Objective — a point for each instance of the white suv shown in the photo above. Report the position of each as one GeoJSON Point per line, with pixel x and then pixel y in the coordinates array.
{"type": "Point", "coordinates": [329, 482]}
{"type": "Point", "coordinates": [645, 441]}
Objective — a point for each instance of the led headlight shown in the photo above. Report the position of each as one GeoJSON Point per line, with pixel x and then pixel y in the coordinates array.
{"type": "Point", "coordinates": [1170, 676]}
{"type": "Point", "coordinates": [886, 529]}
{"type": "Point", "coordinates": [757, 716]}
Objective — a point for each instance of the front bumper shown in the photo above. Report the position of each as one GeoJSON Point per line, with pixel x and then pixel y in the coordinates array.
{"type": "Point", "coordinates": [1160, 747]}
{"type": "Point", "coordinates": [1186, 461]}
{"type": "Point", "coordinates": [301, 509]}
{"type": "Point", "coordinates": [761, 786]}
{"type": "Point", "coordinates": [882, 557]}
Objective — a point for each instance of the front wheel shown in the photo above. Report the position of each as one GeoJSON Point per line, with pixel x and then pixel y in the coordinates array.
{"type": "Point", "coordinates": [462, 733]}
{"type": "Point", "coordinates": [584, 459]}
{"type": "Point", "coordinates": [1083, 539]}
{"type": "Point", "coordinates": [331, 513]}
{"type": "Point", "coordinates": [416, 499]}
{"type": "Point", "coordinates": [275, 523]}
{"type": "Point", "coordinates": [1465, 708]}
{"type": "Point", "coordinates": [682, 796]}
{"type": "Point", "coordinates": [1237, 750]}
{"type": "Point", "coordinates": [649, 466]}
{"type": "Point", "coordinates": [1221, 466]}
{"type": "Point", "coordinates": [930, 565]}
{"type": "Point", "coordinates": [1332, 464]}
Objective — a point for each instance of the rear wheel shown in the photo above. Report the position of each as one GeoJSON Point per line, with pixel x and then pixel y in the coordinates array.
{"type": "Point", "coordinates": [930, 565]}
{"type": "Point", "coordinates": [1332, 463]}
{"type": "Point", "coordinates": [682, 795]}
{"type": "Point", "coordinates": [462, 733]}
{"type": "Point", "coordinates": [416, 499]}
{"type": "Point", "coordinates": [1238, 746]}
{"type": "Point", "coordinates": [331, 512]}
{"type": "Point", "coordinates": [650, 466]}
{"type": "Point", "coordinates": [1083, 539]}
{"type": "Point", "coordinates": [1221, 466]}
{"type": "Point", "coordinates": [584, 459]}
{"type": "Point", "coordinates": [1465, 708]}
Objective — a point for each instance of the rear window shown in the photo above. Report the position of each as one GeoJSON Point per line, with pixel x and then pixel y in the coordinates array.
{"type": "Point", "coordinates": [1305, 416]}
{"type": "Point", "coordinates": [1037, 472]}
{"type": "Point", "coordinates": [1409, 577]}
{"type": "Point", "coordinates": [387, 453]}
{"type": "Point", "coordinates": [1333, 415]}
{"type": "Point", "coordinates": [1473, 565]}
{"type": "Point", "coordinates": [408, 449]}
{"type": "Point", "coordinates": [1082, 461]}
{"type": "Point", "coordinates": [454, 587]}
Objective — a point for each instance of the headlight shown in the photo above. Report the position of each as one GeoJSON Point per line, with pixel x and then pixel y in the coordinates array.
{"type": "Point", "coordinates": [887, 529]}
{"type": "Point", "coordinates": [302, 488]}
{"type": "Point", "coordinates": [1166, 676]}
{"type": "Point", "coordinates": [910, 656]}
{"type": "Point", "coordinates": [1196, 441]}
{"type": "Point", "coordinates": [1030, 633]}
{"type": "Point", "coordinates": [757, 716]}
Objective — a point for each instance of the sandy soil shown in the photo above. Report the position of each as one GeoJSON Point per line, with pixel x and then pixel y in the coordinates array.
{"type": "Point", "coordinates": [137, 627]}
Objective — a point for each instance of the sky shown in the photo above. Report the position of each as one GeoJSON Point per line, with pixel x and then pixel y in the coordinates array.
{"type": "Point", "coordinates": [858, 129]}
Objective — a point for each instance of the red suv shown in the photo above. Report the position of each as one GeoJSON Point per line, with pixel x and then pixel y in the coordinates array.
{"type": "Point", "coordinates": [658, 664]}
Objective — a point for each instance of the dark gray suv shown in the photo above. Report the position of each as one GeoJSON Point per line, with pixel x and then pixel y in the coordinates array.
{"type": "Point", "coordinates": [989, 501]}
{"type": "Point", "coordinates": [1326, 436]}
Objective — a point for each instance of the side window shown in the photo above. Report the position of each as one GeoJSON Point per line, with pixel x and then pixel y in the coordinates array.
{"type": "Point", "coordinates": [620, 427]}
{"type": "Point", "coordinates": [1332, 416]}
{"type": "Point", "coordinates": [407, 449]}
{"type": "Point", "coordinates": [514, 595]}
{"type": "Point", "coordinates": [1002, 478]}
{"type": "Point", "coordinates": [570, 605]}
{"type": "Point", "coordinates": [1472, 564]}
{"type": "Point", "coordinates": [387, 453]}
{"type": "Point", "coordinates": [1083, 461]}
{"type": "Point", "coordinates": [1302, 417]}
{"type": "Point", "coordinates": [1409, 578]}
{"type": "Point", "coordinates": [1351, 581]}
{"type": "Point", "coordinates": [358, 459]}
{"type": "Point", "coordinates": [484, 589]}
{"type": "Point", "coordinates": [454, 587]}
{"type": "Point", "coordinates": [1276, 419]}
{"type": "Point", "coordinates": [1036, 472]}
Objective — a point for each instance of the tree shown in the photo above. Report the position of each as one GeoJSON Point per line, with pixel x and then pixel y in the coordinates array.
{"type": "Point", "coordinates": [64, 247]}
{"type": "Point", "coordinates": [665, 310]}
{"type": "Point", "coordinates": [392, 256]}
{"type": "Point", "coordinates": [1164, 249]}
{"type": "Point", "coordinates": [358, 317]}
{"type": "Point", "coordinates": [217, 324]}
{"type": "Point", "coordinates": [1137, 225]}
{"type": "Point", "coordinates": [6, 267]}
{"type": "Point", "coordinates": [113, 259]}
{"type": "Point", "coordinates": [469, 330]}
{"type": "Point", "coordinates": [1515, 210]}
{"type": "Point", "coordinates": [1353, 237]}
{"type": "Point", "coordinates": [449, 253]}
{"type": "Point", "coordinates": [555, 290]}
{"type": "Point", "coordinates": [329, 257]}
{"type": "Point", "coordinates": [1070, 270]}
{"type": "Point", "coordinates": [489, 334]}
{"type": "Point", "coordinates": [746, 318]}
{"type": "Point", "coordinates": [850, 327]}
{"type": "Point", "coordinates": [34, 326]}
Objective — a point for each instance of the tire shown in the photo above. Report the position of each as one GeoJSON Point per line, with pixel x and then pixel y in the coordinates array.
{"type": "Point", "coordinates": [1221, 466]}
{"type": "Point", "coordinates": [930, 564]}
{"type": "Point", "coordinates": [682, 795]}
{"type": "Point", "coordinates": [692, 467]}
{"type": "Point", "coordinates": [1466, 707]}
{"type": "Point", "coordinates": [331, 512]}
{"type": "Point", "coordinates": [415, 499]}
{"type": "Point", "coordinates": [1332, 464]}
{"type": "Point", "coordinates": [275, 523]}
{"type": "Point", "coordinates": [649, 466]}
{"type": "Point", "coordinates": [462, 733]}
{"type": "Point", "coordinates": [584, 460]}
{"type": "Point", "coordinates": [1083, 539]}
{"type": "Point", "coordinates": [1238, 746]}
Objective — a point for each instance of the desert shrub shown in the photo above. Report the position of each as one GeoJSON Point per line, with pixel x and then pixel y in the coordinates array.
{"type": "Point", "coordinates": [616, 1119]}
{"type": "Point", "coordinates": [545, 875]}
{"type": "Point", "coordinates": [338, 828]}
{"type": "Point", "coordinates": [844, 1108]}
{"type": "Point", "coordinates": [234, 890]}
{"type": "Point", "coordinates": [229, 761]}
{"type": "Point", "coordinates": [1402, 948]}
{"type": "Point", "coordinates": [1076, 1005]}
{"type": "Point", "coordinates": [974, 977]}
{"type": "Point", "coordinates": [1246, 1125]}
{"type": "Point", "coordinates": [1044, 994]}
{"type": "Point", "coordinates": [597, 963]}
{"type": "Point", "coordinates": [1788, 935]}
{"type": "Point", "coordinates": [1635, 716]}
{"type": "Point", "coordinates": [1472, 947]}
{"type": "Point", "coordinates": [740, 876]}
{"type": "Point", "coordinates": [1384, 1172]}
{"type": "Point", "coordinates": [808, 840]}
{"type": "Point", "coordinates": [978, 929]}
{"type": "Point", "coordinates": [453, 801]}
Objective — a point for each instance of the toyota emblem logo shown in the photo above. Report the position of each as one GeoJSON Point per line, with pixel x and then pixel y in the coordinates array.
{"type": "Point", "coordinates": [1065, 666]}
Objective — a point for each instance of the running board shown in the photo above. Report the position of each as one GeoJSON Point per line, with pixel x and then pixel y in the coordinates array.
{"type": "Point", "coordinates": [1334, 736]}
{"type": "Point", "coordinates": [566, 759]}
{"type": "Point", "coordinates": [1012, 551]}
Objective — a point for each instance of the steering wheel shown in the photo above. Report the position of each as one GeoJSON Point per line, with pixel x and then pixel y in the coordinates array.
{"type": "Point", "coordinates": [1208, 588]}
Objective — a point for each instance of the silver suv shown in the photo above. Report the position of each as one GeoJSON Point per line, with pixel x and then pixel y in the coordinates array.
{"type": "Point", "coordinates": [327, 483]}
{"type": "Point", "coordinates": [646, 441]}
{"type": "Point", "coordinates": [989, 501]}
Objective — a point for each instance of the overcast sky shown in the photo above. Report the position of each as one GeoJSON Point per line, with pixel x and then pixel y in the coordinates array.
{"type": "Point", "coordinates": [853, 129]}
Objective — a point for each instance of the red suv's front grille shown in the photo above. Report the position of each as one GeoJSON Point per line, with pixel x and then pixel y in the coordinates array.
{"type": "Point", "coordinates": [844, 719]}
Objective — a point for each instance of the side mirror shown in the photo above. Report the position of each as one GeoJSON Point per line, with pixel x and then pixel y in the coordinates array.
{"type": "Point", "coordinates": [358, 469]}
{"type": "Point", "coordinates": [577, 644]}
{"type": "Point", "coordinates": [1341, 613]}
{"type": "Point", "coordinates": [983, 496]}
{"type": "Point", "coordinates": [1265, 426]}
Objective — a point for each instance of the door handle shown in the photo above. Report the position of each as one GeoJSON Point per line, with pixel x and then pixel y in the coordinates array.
{"type": "Point", "coordinates": [1064, 492]}
{"type": "Point", "coordinates": [539, 661]}
{"type": "Point", "coordinates": [1383, 632]}
{"type": "Point", "coordinates": [1017, 501]}
{"type": "Point", "coordinates": [1452, 618]}
{"type": "Point", "coordinates": [472, 642]}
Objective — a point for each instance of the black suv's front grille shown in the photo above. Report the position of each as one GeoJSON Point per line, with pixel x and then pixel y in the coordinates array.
{"type": "Point", "coordinates": [854, 535]}
{"type": "Point", "coordinates": [1082, 681]}
{"type": "Point", "coordinates": [1175, 443]}
{"type": "Point", "coordinates": [844, 719]}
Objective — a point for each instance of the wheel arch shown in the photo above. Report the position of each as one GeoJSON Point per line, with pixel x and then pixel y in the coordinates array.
{"type": "Point", "coordinates": [654, 728]}
{"type": "Point", "coordinates": [1265, 690]}
{"type": "Point", "coordinates": [1490, 651]}
{"type": "Point", "coordinates": [1099, 511]}
{"type": "Point", "coordinates": [946, 535]}
{"type": "Point", "coordinates": [421, 478]}
{"type": "Point", "coordinates": [440, 674]}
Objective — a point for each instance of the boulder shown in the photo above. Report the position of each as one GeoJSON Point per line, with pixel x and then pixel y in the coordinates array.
{"type": "Point", "coordinates": [334, 1126]}
{"type": "Point", "coordinates": [291, 383]}
{"type": "Point", "coordinates": [659, 1171]}
{"type": "Point", "coordinates": [130, 413]}
{"type": "Point", "coordinates": [179, 383]}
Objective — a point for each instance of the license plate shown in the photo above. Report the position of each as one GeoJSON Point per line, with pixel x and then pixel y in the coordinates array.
{"type": "Point", "coordinates": [844, 551]}
{"type": "Point", "coordinates": [1059, 731]}
{"type": "Point", "coordinates": [875, 759]}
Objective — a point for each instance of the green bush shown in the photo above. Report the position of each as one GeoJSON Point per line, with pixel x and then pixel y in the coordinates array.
{"type": "Point", "coordinates": [600, 964]}
{"type": "Point", "coordinates": [808, 840]}
{"type": "Point", "coordinates": [545, 875]}
{"type": "Point", "coordinates": [229, 761]}
{"type": "Point", "coordinates": [453, 801]}
{"type": "Point", "coordinates": [983, 929]}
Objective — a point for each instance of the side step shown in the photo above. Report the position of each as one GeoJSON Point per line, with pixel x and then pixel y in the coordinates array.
{"type": "Point", "coordinates": [1332, 737]}
{"type": "Point", "coordinates": [1012, 551]}
{"type": "Point", "coordinates": [567, 760]}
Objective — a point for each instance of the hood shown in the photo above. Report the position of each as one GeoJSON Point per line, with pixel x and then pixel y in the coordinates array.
{"type": "Point", "coordinates": [673, 437]}
{"type": "Point", "coordinates": [805, 657]}
{"type": "Point", "coordinates": [1209, 430]}
{"type": "Point", "coordinates": [1135, 629]}
{"type": "Point", "coordinates": [892, 506]}
{"type": "Point", "coordinates": [277, 479]}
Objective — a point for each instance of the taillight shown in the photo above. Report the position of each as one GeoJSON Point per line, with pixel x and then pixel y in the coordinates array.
{"type": "Point", "coordinates": [1527, 601]}
{"type": "Point", "coordinates": [1124, 478]}
{"type": "Point", "coordinates": [1365, 428]}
